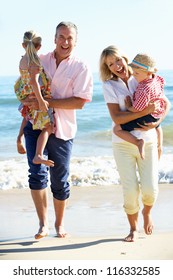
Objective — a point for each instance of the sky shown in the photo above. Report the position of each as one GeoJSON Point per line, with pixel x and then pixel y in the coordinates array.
{"type": "Point", "coordinates": [132, 25]}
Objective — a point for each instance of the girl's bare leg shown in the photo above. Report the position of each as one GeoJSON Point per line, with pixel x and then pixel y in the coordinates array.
{"type": "Point", "coordinates": [41, 143]}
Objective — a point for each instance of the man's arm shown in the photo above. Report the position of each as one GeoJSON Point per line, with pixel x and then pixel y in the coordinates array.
{"type": "Point", "coordinates": [67, 103]}
{"type": "Point", "coordinates": [70, 103]}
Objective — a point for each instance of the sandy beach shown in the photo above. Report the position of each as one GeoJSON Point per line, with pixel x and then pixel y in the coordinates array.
{"type": "Point", "coordinates": [96, 222]}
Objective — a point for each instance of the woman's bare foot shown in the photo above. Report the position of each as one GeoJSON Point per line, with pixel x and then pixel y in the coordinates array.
{"type": "Point", "coordinates": [133, 236]}
{"type": "Point", "coordinates": [43, 232]}
{"type": "Point", "coordinates": [141, 145]}
{"type": "Point", "coordinates": [61, 233]}
{"type": "Point", "coordinates": [40, 160]}
{"type": "Point", "coordinates": [20, 148]}
{"type": "Point", "coordinates": [148, 223]}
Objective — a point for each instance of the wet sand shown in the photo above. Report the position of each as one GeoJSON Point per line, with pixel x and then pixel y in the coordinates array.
{"type": "Point", "coordinates": [96, 222]}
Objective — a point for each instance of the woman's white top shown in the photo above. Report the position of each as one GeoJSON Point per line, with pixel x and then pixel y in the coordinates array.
{"type": "Point", "coordinates": [116, 92]}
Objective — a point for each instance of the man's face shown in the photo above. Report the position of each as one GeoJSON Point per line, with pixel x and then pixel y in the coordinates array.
{"type": "Point", "coordinates": [65, 40]}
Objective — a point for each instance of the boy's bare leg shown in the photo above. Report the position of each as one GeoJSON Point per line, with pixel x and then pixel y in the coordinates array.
{"type": "Point", "coordinates": [127, 136]}
{"type": "Point", "coordinates": [159, 141]}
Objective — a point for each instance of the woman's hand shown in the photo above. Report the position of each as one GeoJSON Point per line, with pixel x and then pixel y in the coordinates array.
{"type": "Point", "coordinates": [152, 107]}
{"type": "Point", "coordinates": [148, 126]}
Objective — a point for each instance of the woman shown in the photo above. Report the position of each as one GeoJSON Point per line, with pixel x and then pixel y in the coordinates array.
{"type": "Point", "coordinates": [118, 84]}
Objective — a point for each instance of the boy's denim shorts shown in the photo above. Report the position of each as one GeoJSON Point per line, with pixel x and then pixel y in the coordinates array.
{"type": "Point", "coordinates": [57, 150]}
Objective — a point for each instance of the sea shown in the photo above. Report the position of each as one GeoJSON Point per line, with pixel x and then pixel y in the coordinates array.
{"type": "Point", "coordinates": [92, 160]}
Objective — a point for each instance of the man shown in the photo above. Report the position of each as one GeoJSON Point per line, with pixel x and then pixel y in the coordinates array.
{"type": "Point", "coordinates": [71, 88]}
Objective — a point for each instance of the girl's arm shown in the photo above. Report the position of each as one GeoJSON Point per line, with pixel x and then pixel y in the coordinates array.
{"type": "Point", "coordinates": [43, 104]}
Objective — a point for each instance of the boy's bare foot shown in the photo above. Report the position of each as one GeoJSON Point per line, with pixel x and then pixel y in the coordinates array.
{"type": "Point", "coordinates": [148, 223]}
{"type": "Point", "coordinates": [43, 232]}
{"type": "Point", "coordinates": [40, 160]}
{"type": "Point", "coordinates": [61, 233]}
{"type": "Point", "coordinates": [141, 145]}
{"type": "Point", "coordinates": [20, 148]}
{"type": "Point", "coordinates": [133, 235]}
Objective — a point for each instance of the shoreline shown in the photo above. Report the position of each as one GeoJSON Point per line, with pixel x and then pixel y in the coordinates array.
{"type": "Point", "coordinates": [96, 222]}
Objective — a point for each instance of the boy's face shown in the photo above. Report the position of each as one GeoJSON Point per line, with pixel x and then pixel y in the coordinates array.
{"type": "Point", "coordinates": [140, 75]}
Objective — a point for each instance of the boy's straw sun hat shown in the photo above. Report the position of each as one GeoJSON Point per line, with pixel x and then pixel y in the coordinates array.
{"type": "Point", "coordinates": [144, 62]}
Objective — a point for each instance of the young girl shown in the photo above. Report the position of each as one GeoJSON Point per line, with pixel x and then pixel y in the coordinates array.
{"type": "Point", "coordinates": [39, 85]}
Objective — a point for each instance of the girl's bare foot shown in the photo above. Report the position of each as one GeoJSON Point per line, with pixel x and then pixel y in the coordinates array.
{"type": "Point", "coordinates": [141, 145]}
{"type": "Point", "coordinates": [20, 148]}
{"type": "Point", "coordinates": [133, 235]}
{"type": "Point", "coordinates": [61, 233]}
{"type": "Point", "coordinates": [148, 223]}
{"type": "Point", "coordinates": [43, 232]}
{"type": "Point", "coordinates": [40, 160]}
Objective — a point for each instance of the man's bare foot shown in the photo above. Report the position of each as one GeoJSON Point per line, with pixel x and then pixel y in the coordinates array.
{"type": "Point", "coordinates": [61, 233]}
{"type": "Point", "coordinates": [148, 223]}
{"type": "Point", "coordinates": [43, 232]}
{"type": "Point", "coordinates": [133, 235]}
{"type": "Point", "coordinates": [20, 148]}
{"type": "Point", "coordinates": [141, 145]}
{"type": "Point", "coordinates": [40, 160]}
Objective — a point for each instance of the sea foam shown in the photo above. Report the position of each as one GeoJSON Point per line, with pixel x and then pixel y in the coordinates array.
{"type": "Point", "coordinates": [84, 171]}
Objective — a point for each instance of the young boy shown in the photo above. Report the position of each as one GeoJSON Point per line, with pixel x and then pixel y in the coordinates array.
{"type": "Point", "coordinates": [150, 88]}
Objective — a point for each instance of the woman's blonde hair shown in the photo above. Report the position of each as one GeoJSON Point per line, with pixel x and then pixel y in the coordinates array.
{"type": "Point", "coordinates": [105, 72]}
{"type": "Point", "coordinates": [32, 41]}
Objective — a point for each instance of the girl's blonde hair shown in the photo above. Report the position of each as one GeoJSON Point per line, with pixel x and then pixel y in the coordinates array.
{"type": "Point", "coordinates": [32, 41]}
{"type": "Point", "coordinates": [105, 72]}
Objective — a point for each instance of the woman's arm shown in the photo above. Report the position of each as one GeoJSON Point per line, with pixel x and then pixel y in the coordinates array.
{"type": "Point", "coordinates": [121, 117]}
{"type": "Point", "coordinates": [148, 126]}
